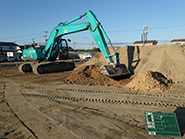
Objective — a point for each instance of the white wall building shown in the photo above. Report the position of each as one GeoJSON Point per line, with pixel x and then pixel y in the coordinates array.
{"type": "Point", "coordinates": [178, 41]}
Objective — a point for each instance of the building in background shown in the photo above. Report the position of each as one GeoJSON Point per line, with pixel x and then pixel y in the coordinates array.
{"type": "Point", "coordinates": [8, 46]}
{"type": "Point", "coordinates": [178, 41]}
{"type": "Point", "coordinates": [147, 43]}
{"type": "Point", "coordinates": [8, 51]}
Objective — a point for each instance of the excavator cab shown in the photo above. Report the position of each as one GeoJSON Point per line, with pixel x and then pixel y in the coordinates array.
{"type": "Point", "coordinates": [63, 50]}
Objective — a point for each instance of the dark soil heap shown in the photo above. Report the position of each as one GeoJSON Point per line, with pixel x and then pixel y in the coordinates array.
{"type": "Point", "coordinates": [150, 81]}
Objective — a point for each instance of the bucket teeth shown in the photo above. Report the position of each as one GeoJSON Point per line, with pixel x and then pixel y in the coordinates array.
{"type": "Point", "coordinates": [112, 71]}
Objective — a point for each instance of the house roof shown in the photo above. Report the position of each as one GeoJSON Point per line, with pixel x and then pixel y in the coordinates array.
{"type": "Point", "coordinates": [178, 40]}
{"type": "Point", "coordinates": [148, 41]}
{"type": "Point", "coordinates": [8, 44]}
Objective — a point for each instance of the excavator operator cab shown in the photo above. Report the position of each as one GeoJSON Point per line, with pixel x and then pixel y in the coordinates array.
{"type": "Point", "coordinates": [63, 49]}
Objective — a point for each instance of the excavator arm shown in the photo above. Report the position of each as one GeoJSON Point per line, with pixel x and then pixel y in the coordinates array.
{"type": "Point", "coordinates": [93, 25]}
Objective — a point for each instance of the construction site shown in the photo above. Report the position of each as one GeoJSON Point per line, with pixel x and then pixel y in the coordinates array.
{"type": "Point", "coordinates": [125, 92]}
{"type": "Point", "coordinates": [83, 103]}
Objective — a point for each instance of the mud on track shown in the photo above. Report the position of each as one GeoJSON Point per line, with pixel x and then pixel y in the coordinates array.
{"type": "Point", "coordinates": [79, 111]}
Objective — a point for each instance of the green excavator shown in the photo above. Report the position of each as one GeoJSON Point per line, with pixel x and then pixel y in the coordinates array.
{"type": "Point", "coordinates": [45, 59]}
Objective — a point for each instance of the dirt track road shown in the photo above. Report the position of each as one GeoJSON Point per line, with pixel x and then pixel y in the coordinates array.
{"type": "Point", "coordinates": [40, 106]}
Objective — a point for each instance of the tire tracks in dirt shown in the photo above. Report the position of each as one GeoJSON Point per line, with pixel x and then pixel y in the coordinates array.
{"type": "Point", "coordinates": [110, 101]}
{"type": "Point", "coordinates": [126, 119]}
{"type": "Point", "coordinates": [11, 128]}
{"type": "Point", "coordinates": [39, 124]}
{"type": "Point", "coordinates": [129, 92]}
{"type": "Point", "coordinates": [73, 111]}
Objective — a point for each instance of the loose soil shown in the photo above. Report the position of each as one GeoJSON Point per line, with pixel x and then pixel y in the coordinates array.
{"type": "Point", "coordinates": [144, 81]}
{"type": "Point", "coordinates": [165, 59]}
{"type": "Point", "coordinates": [150, 81]}
{"type": "Point", "coordinates": [155, 68]}
{"type": "Point", "coordinates": [90, 75]}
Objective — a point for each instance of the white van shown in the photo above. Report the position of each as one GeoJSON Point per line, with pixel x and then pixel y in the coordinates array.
{"type": "Point", "coordinates": [87, 56]}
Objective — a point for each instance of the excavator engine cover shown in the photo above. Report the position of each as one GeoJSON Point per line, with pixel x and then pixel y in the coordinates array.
{"type": "Point", "coordinates": [114, 71]}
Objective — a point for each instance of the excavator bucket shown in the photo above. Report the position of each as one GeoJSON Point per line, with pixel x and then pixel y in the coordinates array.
{"type": "Point", "coordinates": [114, 71]}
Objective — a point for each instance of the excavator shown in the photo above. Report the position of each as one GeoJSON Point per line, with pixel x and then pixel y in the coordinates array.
{"type": "Point", "coordinates": [45, 59]}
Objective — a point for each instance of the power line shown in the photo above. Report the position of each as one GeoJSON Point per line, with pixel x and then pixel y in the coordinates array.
{"type": "Point", "coordinates": [117, 43]}
{"type": "Point", "coordinates": [132, 30]}
{"type": "Point", "coordinates": [31, 38]}
{"type": "Point", "coordinates": [20, 36]}
{"type": "Point", "coordinates": [168, 27]}
{"type": "Point", "coordinates": [22, 41]}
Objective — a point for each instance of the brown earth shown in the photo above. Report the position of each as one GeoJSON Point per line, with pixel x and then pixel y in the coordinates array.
{"type": "Point", "coordinates": [166, 60]}
{"type": "Point", "coordinates": [90, 75]}
{"type": "Point", "coordinates": [85, 104]}
{"type": "Point", "coordinates": [144, 81]}
{"type": "Point", "coordinates": [150, 81]}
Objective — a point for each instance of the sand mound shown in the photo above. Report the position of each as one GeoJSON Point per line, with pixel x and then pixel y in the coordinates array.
{"type": "Point", "coordinates": [90, 75]}
{"type": "Point", "coordinates": [144, 81]}
{"type": "Point", "coordinates": [150, 81]}
{"type": "Point", "coordinates": [166, 59]}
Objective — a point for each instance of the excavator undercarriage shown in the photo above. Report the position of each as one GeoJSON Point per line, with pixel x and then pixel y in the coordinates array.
{"type": "Point", "coordinates": [47, 67]}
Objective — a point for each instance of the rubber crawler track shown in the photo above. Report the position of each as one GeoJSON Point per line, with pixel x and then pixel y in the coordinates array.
{"type": "Point", "coordinates": [110, 101]}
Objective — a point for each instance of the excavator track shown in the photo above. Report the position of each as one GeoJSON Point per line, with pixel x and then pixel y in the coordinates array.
{"type": "Point", "coordinates": [103, 100]}
{"type": "Point", "coordinates": [25, 67]}
{"type": "Point", "coordinates": [50, 67]}
{"type": "Point", "coordinates": [121, 101]}
{"type": "Point", "coordinates": [129, 92]}
{"type": "Point", "coordinates": [46, 67]}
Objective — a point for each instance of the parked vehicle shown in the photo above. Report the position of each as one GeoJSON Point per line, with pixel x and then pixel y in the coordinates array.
{"type": "Point", "coordinates": [17, 58]}
{"type": "Point", "coordinates": [87, 56]}
{"type": "Point", "coordinates": [10, 59]}
{"type": "Point", "coordinates": [1, 59]}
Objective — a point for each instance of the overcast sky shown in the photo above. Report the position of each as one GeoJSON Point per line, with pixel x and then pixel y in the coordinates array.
{"type": "Point", "coordinates": [21, 21]}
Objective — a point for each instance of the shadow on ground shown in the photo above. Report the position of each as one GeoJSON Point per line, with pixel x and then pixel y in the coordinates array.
{"type": "Point", "coordinates": [180, 113]}
{"type": "Point", "coordinates": [132, 64]}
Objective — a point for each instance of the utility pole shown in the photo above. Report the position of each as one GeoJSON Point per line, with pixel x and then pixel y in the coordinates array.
{"type": "Point", "coordinates": [33, 39]}
{"type": "Point", "coordinates": [45, 35]}
{"type": "Point", "coordinates": [92, 44]}
{"type": "Point", "coordinates": [74, 45]}
{"type": "Point", "coordinates": [145, 34]}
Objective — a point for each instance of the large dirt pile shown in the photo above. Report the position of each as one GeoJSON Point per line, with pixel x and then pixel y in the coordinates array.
{"type": "Point", "coordinates": [144, 81]}
{"type": "Point", "coordinates": [90, 75]}
{"type": "Point", "coordinates": [150, 81]}
{"type": "Point", "coordinates": [166, 59]}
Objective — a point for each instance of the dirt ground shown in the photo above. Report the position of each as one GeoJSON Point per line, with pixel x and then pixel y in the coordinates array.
{"type": "Point", "coordinates": [72, 104]}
